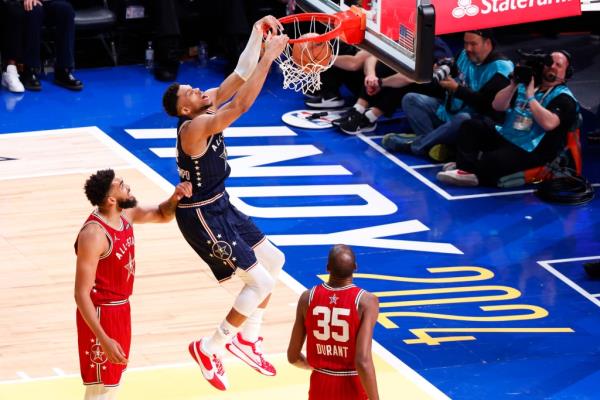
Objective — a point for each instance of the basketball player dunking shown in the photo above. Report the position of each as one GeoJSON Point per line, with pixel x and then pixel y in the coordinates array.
{"type": "Point", "coordinates": [104, 278]}
{"type": "Point", "coordinates": [337, 320]}
{"type": "Point", "coordinates": [227, 240]}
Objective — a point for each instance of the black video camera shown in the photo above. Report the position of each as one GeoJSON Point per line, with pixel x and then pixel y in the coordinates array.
{"type": "Point", "coordinates": [445, 67]}
{"type": "Point", "coordinates": [531, 65]}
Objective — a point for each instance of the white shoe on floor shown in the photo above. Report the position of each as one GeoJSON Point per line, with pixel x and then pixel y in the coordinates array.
{"type": "Point", "coordinates": [458, 177]}
{"type": "Point", "coordinates": [10, 80]}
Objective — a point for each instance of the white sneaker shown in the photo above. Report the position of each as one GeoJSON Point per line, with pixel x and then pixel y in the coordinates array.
{"type": "Point", "coordinates": [458, 177]}
{"type": "Point", "coordinates": [10, 80]}
{"type": "Point", "coordinates": [251, 354]}
{"type": "Point", "coordinates": [211, 365]}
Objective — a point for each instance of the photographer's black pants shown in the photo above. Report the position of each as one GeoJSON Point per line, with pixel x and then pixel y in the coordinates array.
{"type": "Point", "coordinates": [484, 152]}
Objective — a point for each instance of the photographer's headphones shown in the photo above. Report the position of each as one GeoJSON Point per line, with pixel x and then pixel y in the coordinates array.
{"type": "Point", "coordinates": [570, 69]}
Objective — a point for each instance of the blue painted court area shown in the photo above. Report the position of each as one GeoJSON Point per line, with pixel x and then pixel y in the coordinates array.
{"type": "Point", "coordinates": [482, 292]}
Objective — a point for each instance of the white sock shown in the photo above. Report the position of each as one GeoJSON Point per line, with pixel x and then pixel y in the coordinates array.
{"type": "Point", "coordinates": [371, 115]}
{"type": "Point", "coordinates": [251, 327]}
{"type": "Point", "coordinates": [359, 108]}
{"type": "Point", "coordinates": [223, 335]}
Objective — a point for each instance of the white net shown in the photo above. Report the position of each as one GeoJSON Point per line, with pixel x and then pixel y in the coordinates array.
{"type": "Point", "coordinates": [303, 63]}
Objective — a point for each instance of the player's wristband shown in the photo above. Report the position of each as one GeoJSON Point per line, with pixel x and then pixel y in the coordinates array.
{"type": "Point", "coordinates": [530, 99]}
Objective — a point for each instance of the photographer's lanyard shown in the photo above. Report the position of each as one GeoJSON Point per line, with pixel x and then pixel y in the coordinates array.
{"type": "Point", "coordinates": [519, 126]}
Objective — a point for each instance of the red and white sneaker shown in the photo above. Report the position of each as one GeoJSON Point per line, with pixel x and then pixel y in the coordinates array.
{"type": "Point", "coordinates": [251, 354]}
{"type": "Point", "coordinates": [211, 366]}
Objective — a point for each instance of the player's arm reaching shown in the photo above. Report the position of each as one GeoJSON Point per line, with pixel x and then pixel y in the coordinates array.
{"type": "Point", "coordinates": [247, 61]}
{"type": "Point", "coordinates": [369, 309]}
{"type": "Point", "coordinates": [91, 244]}
{"type": "Point", "coordinates": [294, 352]}
{"type": "Point", "coordinates": [165, 211]}
{"type": "Point", "coordinates": [206, 125]}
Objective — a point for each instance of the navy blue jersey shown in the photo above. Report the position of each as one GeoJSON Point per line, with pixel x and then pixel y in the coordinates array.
{"type": "Point", "coordinates": [207, 171]}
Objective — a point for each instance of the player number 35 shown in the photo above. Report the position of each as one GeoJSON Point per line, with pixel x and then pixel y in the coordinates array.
{"type": "Point", "coordinates": [329, 320]}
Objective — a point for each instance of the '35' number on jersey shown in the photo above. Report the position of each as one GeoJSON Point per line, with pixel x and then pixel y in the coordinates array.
{"type": "Point", "coordinates": [330, 323]}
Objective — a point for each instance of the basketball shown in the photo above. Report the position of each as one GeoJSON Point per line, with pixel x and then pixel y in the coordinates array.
{"type": "Point", "coordinates": [311, 53]}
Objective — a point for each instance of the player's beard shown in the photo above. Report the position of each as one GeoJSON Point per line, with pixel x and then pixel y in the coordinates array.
{"type": "Point", "coordinates": [127, 203]}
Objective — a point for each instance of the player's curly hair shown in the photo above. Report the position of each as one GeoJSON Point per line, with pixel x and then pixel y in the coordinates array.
{"type": "Point", "coordinates": [170, 99]}
{"type": "Point", "coordinates": [97, 186]}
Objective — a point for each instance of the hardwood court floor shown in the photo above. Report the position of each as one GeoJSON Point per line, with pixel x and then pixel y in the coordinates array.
{"type": "Point", "coordinates": [176, 298]}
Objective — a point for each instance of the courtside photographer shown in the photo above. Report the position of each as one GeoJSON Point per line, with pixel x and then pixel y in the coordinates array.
{"type": "Point", "coordinates": [538, 117]}
{"type": "Point", "coordinates": [470, 85]}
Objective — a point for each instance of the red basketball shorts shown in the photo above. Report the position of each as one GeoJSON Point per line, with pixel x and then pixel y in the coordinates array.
{"type": "Point", "coordinates": [93, 363]}
{"type": "Point", "coordinates": [328, 387]}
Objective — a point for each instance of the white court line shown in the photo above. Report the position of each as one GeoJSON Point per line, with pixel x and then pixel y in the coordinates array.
{"type": "Point", "coordinates": [23, 376]}
{"type": "Point", "coordinates": [253, 131]}
{"type": "Point", "coordinates": [405, 167]}
{"type": "Point", "coordinates": [27, 379]}
{"type": "Point", "coordinates": [18, 135]}
{"type": "Point", "coordinates": [58, 371]}
{"type": "Point", "coordinates": [547, 265]}
{"type": "Point", "coordinates": [423, 166]}
{"type": "Point", "coordinates": [68, 171]}
{"type": "Point", "coordinates": [431, 185]}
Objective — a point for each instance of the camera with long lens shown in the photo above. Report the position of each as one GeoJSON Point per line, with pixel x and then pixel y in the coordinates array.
{"type": "Point", "coordinates": [445, 68]}
{"type": "Point", "coordinates": [531, 65]}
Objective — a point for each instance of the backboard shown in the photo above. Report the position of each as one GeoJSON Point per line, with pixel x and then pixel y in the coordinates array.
{"type": "Point", "coordinates": [399, 32]}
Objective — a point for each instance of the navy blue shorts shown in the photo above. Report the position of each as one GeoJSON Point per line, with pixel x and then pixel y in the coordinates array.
{"type": "Point", "coordinates": [223, 236]}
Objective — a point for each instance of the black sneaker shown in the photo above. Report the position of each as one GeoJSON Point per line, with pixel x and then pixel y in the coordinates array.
{"type": "Point", "coordinates": [325, 102]}
{"type": "Point", "coordinates": [344, 117]}
{"type": "Point", "coordinates": [30, 79]}
{"type": "Point", "coordinates": [313, 95]}
{"type": "Point", "coordinates": [357, 123]}
{"type": "Point", "coordinates": [65, 78]}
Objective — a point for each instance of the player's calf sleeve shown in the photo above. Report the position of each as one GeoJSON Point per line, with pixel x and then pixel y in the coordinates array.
{"type": "Point", "coordinates": [258, 284]}
{"type": "Point", "coordinates": [270, 257]}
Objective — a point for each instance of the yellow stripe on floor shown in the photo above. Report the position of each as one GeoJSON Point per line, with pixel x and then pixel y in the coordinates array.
{"type": "Point", "coordinates": [185, 382]}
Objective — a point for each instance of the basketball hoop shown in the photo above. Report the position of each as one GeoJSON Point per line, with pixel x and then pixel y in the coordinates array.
{"type": "Point", "coordinates": [314, 45]}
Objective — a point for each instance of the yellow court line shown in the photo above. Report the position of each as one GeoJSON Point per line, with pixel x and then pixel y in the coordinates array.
{"type": "Point", "coordinates": [185, 382]}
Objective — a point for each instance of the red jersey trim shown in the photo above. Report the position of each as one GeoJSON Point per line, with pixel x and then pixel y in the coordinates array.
{"type": "Point", "coordinates": [358, 296]}
{"type": "Point", "coordinates": [100, 217]}
{"type": "Point", "coordinates": [110, 241]}
{"type": "Point", "coordinates": [326, 286]}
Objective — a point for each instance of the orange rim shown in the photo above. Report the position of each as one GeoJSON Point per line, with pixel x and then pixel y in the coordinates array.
{"type": "Point", "coordinates": [319, 17]}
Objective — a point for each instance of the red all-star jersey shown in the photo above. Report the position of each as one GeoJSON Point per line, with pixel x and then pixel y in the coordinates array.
{"type": "Point", "coordinates": [116, 268]}
{"type": "Point", "coordinates": [331, 322]}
